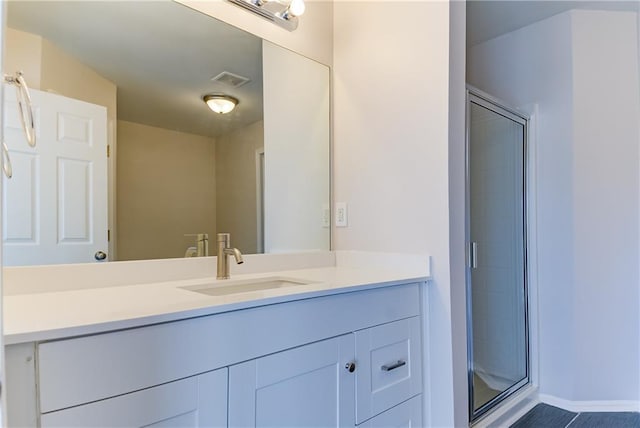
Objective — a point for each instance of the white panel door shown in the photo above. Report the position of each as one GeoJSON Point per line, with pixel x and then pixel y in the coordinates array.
{"type": "Point", "coordinates": [302, 387]}
{"type": "Point", "coordinates": [198, 401]}
{"type": "Point", "coordinates": [55, 206]}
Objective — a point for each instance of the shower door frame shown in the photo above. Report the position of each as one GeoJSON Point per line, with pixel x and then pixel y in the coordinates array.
{"type": "Point", "coordinates": [499, 107]}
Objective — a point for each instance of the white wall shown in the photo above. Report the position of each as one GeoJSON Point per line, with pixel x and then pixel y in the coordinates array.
{"type": "Point", "coordinates": [540, 56]}
{"type": "Point", "coordinates": [457, 201]}
{"type": "Point", "coordinates": [606, 137]}
{"type": "Point", "coordinates": [296, 147]}
{"type": "Point", "coordinates": [236, 186]}
{"type": "Point", "coordinates": [391, 158]}
{"type": "Point", "coordinates": [581, 67]}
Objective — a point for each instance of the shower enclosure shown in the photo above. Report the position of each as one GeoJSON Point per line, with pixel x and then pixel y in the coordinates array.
{"type": "Point", "coordinates": [498, 361]}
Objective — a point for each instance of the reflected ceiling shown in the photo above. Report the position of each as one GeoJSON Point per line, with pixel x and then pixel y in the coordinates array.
{"type": "Point", "coordinates": [164, 89]}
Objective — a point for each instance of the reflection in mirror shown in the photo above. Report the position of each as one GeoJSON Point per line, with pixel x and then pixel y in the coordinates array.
{"type": "Point", "coordinates": [132, 76]}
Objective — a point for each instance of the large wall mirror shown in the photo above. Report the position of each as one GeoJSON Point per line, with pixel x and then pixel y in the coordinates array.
{"type": "Point", "coordinates": [131, 162]}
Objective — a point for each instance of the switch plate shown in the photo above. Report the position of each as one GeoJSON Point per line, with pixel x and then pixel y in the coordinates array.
{"type": "Point", "coordinates": [341, 214]}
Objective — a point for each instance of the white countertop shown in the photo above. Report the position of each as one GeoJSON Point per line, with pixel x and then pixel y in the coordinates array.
{"type": "Point", "coordinates": [37, 316]}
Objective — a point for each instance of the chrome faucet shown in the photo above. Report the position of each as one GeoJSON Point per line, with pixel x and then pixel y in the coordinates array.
{"type": "Point", "coordinates": [225, 250]}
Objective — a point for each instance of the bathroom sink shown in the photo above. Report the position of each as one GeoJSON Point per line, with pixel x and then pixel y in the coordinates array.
{"type": "Point", "coordinates": [224, 287]}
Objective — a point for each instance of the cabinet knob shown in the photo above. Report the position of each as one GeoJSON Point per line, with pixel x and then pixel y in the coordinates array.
{"type": "Point", "coordinates": [351, 367]}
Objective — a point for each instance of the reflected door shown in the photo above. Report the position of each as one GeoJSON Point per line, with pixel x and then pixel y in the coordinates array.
{"type": "Point", "coordinates": [55, 205]}
{"type": "Point", "coordinates": [498, 362]}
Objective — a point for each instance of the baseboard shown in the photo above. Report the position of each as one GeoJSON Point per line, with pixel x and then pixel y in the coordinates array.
{"type": "Point", "coordinates": [591, 406]}
{"type": "Point", "coordinates": [512, 409]}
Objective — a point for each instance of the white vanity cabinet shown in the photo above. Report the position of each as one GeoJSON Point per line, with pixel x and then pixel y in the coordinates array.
{"type": "Point", "coordinates": [337, 360]}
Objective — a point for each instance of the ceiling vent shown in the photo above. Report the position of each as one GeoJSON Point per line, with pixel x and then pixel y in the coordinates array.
{"type": "Point", "coordinates": [230, 79]}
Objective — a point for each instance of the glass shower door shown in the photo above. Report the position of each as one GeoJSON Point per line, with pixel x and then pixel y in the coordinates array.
{"type": "Point", "coordinates": [496, 234]}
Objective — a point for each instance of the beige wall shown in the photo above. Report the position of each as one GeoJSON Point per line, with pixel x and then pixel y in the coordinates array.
{"type": "Point", "coordinates": [63, 74]}
{"type": "Point", "coordinates": [236, 185]}
{"type": "Point", "coordinates": [48, 68]}
{"type": "Point", "coordinates": [166, 181]}
{"type": "Point", "coordinates": [23, 52]}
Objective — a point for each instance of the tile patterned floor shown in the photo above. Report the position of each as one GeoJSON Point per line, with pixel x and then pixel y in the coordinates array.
{"type": "Point", "coordinates": [545, 416]}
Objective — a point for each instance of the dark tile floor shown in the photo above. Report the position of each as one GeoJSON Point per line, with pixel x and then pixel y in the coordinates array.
{"type": "Point", "coordinates": [545, 416]}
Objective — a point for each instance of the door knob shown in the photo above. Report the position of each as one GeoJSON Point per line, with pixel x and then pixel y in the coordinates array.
{"type": "Point", "coordinates": [100, 255]}
{"type": "Point", "coordinates": [351, 367]}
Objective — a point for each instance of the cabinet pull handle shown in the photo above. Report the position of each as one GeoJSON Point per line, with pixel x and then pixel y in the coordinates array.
{"type": "Point", "coordinates": [389, 367]}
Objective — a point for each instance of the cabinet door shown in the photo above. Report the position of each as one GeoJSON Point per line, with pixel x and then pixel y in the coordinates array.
{"type": "Point", "coordinates": [307, 386]}
{"type": "Point", "coordinates": [198, 401]}
{"type": "Point", "coordinates": [405, 415]}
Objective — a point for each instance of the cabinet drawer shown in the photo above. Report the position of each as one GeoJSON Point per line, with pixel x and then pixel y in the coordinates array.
{"type": "Point", "coordinates": [389, 359]}
{"type": "Point", "coordinates": [193, 402]}
{"type": "Point", "coordinates": [405, 415]}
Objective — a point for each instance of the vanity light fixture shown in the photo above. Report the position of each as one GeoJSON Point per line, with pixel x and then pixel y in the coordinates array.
{"type": "Point", "coordinates": [294, 9]}
{"type": "Point", "coordinates": [284, 13]}
{"type": "Point", "coordinates": [220, 103]}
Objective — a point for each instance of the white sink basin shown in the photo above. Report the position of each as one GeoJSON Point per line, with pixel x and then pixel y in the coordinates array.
{"type": "Point", "coordinates": [224, 287]}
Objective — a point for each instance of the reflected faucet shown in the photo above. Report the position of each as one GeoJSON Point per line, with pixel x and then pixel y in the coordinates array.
{"type": "Point", "coordinates": [224, 251]}
{"type": "Point", "coordinates": [202, 245]}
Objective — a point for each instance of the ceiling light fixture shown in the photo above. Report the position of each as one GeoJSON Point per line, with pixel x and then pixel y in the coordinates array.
{"type": "Point", "coordinates": [220, 103]}
{"type": "Point", "coordinates": [284, 13]}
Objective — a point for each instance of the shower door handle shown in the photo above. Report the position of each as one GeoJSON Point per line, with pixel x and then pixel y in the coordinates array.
{"type": "Point", "coordinates": [473, 255]}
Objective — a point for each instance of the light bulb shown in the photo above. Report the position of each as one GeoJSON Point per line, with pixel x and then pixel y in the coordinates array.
{"type": "Point", "coordinates": [297, 7]}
